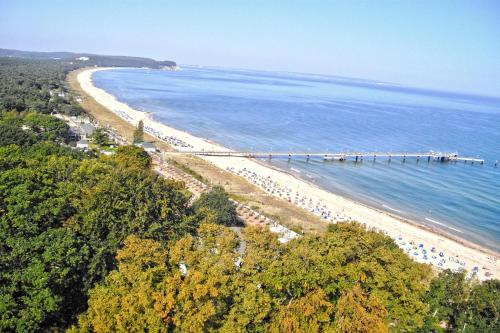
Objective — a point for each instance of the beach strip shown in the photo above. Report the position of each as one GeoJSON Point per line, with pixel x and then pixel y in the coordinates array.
{"type": "Point", "coordinates": [420, 242]}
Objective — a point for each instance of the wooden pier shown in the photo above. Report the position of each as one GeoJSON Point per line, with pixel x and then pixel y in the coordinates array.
{"type": "Point", "coordinates": [342, 156]}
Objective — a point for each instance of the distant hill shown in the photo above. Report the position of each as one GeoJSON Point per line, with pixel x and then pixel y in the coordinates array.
{"type": "Point", "coordinates": [91, 59]}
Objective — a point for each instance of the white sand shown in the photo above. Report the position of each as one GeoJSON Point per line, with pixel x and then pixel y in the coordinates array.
{"type": "Point", "coordinates": [467, 253]}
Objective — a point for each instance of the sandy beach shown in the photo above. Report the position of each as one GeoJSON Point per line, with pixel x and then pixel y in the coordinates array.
{"type": "Point", "coordinates": [420, 242]}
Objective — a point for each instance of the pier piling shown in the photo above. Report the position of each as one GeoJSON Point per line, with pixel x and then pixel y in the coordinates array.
{"type": "Point", "coordinates": [343, 156]}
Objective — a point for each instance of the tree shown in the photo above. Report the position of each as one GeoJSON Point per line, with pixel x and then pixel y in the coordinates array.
{"type": "Point", "coordinates": [63, 216]}
{"type": "Point", "coordinates": [446, 298]}
{"type": "Point", "coordinates": [100, 137]}
{"type": "Point", "coordinates": [123, 202]}
{"type": "Point", "coordinates": [311, 313]}
{"type": "Point", "coordinates": [358, 312]}
{"type": "Point", "coordinates": [139, 132]}
{"type": "Point", "coordinates": [72, 109]}
{"type": "Point", "coordinates": [150, 292]}
{"type": "Point", "coordinates": [42, 264]}
{"type": "Point", "coordinates": [461, 304]}
{"type": "Point", "coordinates": [482, 313]}
{"type": "Point", "coordinates": [207, 282]}
{"type": "Point", "coordinates": [132, 156]}
{"type": "Point", "coordinates": [217, 201]}
{"type": "Point", "coordinates": [70, 219]}
{"type": "Point", "coordinates": [125, 301]}
{"type": "Point", "coordinates": [47, 127]}
{"type": "Point", "coordinates": [14, 135]}
{"type": "Point", "coordinates": [41, 280]}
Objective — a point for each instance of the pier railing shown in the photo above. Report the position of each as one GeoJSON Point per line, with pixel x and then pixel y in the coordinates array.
{"type": "Point", "coordinates": [341, 156]}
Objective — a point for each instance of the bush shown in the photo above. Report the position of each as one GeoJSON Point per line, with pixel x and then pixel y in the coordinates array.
{"type": "Point", "coordinates": [218, 202]}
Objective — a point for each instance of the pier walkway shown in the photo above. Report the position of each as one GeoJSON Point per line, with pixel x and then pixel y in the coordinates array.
{"type": "Point", "coordinates": [341, 156]}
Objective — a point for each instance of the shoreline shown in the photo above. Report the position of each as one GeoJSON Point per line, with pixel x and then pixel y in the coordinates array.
{"type": "Point", "coordinates": [404, 231]}
{"type": "Point", "coordinates": [401, 218]}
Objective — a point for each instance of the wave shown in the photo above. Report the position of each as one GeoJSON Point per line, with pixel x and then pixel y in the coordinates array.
{"type": "Point", "coordinates": [444, 225]}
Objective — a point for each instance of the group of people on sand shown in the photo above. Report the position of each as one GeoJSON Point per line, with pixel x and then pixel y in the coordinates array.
{"type": "Point", "coordinates": [124, 115]}
{"type": "Point", "coordinates": [418, 252]}
{"type": "Point", "coordinates": [170, 139]}
{"type": "Point", "coordinates": [273, 188]}
{"type": "Point", "coordinates": [437, 258]}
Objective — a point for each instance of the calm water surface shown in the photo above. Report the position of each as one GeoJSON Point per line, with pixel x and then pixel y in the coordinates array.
{"type": "Point", "coordinates": [262, 111]}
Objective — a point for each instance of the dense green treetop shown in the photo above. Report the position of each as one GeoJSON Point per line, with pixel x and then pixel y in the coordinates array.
{"type": "Point", "coordinates": [63, 216]}
{"type": "Point", "coordinates": [317, 283]}
{"type": "Point", "coordinates": [35, 85]}
{"type": "Point", "coordinates": [217, 200]}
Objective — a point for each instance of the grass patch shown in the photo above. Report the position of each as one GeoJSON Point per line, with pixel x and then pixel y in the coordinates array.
{"type": "Point", "coordinates": [238, 198]}
{"type": "Point", "coordinates": [297, 229]}
{"type": "Point", "coordinates": [188, 170]}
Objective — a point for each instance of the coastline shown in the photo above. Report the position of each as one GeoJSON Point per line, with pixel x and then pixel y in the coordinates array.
{"type": "Point", "coordinates": [402, 219]}
{"type": "Point", "coordinates": [396, 227]}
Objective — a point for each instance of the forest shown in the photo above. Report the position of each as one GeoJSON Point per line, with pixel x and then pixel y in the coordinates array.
{"type": "Point", "coordinates": [93, 59]}
{"type": "Point", "coordinates": [95, 243]}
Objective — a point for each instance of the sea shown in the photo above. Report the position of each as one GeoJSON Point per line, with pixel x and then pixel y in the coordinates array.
{"type": "Point", "coordinates": [292, 112]}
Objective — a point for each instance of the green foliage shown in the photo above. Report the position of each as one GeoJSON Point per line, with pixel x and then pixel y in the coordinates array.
{"type": "Point", "coordinates": [41, 279]}
{"type": "Point", "coordinates": [40, 261]}
{"type": "Point", "coordinates": [28, 128]}
{"type": "Point", "coordinates": [132, 156]}
{"type": "Point", "coordinates": [125, 202]}
{"type": "Point", "coordinates": [46, 127]}
{"type": "Point", "coordinates": [26, 85]}
{"type": "Point", "coordinates": [72, 109]}
{"type": "Point", "coordinates": [94, 59]}
{"type": "Point", "coordinates": [347, 280]}
{"type": "Point", "coordinates": [139, 132]}
{"type": "Point", "coordinates": [483, 308]}
{"type": "Point", "coordinates": [217, 201]}
{"type": "Point", "coordinates": [461, 305]}
{"type": "Point", "coordinates": [63, 216]}
{"type": "Point", "coordinates": [100, 137]}
{"type": "Point", "coordinates": [13, 134]}
{"type": "Point", "coordinates": [125, 301]}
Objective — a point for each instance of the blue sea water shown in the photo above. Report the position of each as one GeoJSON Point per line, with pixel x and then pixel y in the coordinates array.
{"type": "Point", "coordinates": [265, 111]}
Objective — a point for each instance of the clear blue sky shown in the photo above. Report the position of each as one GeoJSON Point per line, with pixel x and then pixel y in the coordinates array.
{"type": "Point", "coordinates": [447, 45]}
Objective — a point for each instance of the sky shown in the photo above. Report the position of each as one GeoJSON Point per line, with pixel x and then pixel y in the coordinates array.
{"type": "Point", "coordinates": [439, 44]}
